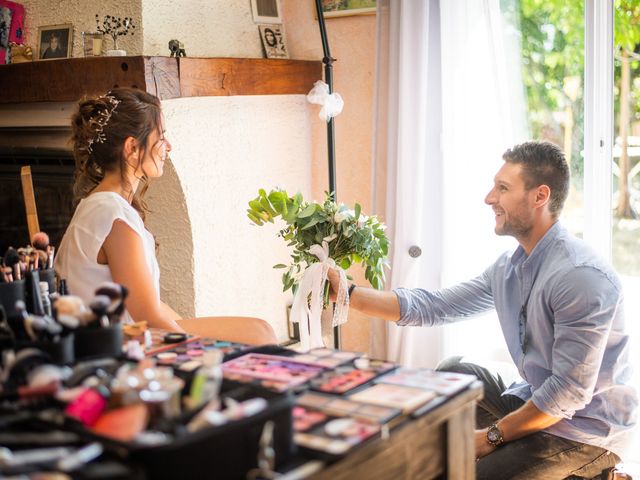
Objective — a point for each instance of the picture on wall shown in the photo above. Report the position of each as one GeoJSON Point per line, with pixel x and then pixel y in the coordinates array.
{"type": "Point", "coordinates": [266, 11]}
{"type": "Point", "coordinates": [273, 41]}
{"type": "Point", "coordinates": [55, 41]}
{"type": "Point", "coordinates": [343, 8]}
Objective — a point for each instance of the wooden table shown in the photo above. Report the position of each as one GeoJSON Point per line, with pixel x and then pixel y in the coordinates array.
{"type": "Point", "coordinates": [438, 444]}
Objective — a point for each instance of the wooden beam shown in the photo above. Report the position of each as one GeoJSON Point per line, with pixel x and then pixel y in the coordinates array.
{"type": "Point", "coordinates": [67, 80]}
{"type": "Point", "coordinates": [201, 77]}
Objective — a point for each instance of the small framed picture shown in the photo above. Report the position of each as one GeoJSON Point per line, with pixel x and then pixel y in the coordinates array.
{"type": "Point", "coordinates": [266, 11]}
{"type": "Point", "coordinates": [273, 41]}
{"type": "Point", "coordinates": [338, 8]}
{"type": "Point", "coordinates": [55, 41]}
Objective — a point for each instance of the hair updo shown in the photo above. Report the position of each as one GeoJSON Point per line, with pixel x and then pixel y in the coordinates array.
{"type": "Point", "coordinates": [99, 130]}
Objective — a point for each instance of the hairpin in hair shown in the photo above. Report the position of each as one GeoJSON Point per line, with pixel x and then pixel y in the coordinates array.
{"type": "Point", "coordinates": [100, 121]}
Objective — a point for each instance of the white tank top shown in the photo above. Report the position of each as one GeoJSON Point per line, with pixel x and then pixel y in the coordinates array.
{"type": "Point", "coordinates": [77, 257]}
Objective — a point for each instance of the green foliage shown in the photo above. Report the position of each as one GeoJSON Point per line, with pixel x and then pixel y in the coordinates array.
{"type": "Point", "coordinates": [351, 236]}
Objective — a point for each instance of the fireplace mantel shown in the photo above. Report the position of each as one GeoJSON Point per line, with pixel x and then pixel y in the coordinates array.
{"type": "Point", "coordinates": [66, 80]}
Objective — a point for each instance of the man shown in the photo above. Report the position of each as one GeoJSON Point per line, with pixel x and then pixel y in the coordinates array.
{"type": "Point", "coordinates": [560, 310]}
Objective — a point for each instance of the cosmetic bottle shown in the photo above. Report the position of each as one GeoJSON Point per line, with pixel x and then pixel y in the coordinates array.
{"type": "Point", "coordinates": [205, 385]}
{"type": "Point", "coordinates": [46, 301]}
{"type": "Point", "coordinates": [91, 402]}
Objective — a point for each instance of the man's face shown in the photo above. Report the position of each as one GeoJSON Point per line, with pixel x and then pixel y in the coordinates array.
{"type": "Point", "coordinates": [512, 203]}
{"type": "Point", "coordinates": [54, 43]}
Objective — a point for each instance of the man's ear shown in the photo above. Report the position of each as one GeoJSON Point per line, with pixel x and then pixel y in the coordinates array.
{"type": "Point", "coordinates": [543, 196]}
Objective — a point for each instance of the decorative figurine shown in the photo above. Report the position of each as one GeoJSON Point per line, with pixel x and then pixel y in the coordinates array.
{"type": "Point", "coordinates": [176, 47]}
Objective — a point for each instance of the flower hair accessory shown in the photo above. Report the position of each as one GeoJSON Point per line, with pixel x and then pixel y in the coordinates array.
{"type": "Point", "coordinates": [100, 120]}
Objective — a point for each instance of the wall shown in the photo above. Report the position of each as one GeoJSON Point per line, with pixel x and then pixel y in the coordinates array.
{"type": "Point", "coordinates": [224, 150]}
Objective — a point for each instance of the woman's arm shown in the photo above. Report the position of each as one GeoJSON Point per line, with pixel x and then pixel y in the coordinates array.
{"type": "Point", "coordinates": [125, 256]}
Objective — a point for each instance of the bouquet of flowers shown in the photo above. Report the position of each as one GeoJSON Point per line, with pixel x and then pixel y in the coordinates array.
{"type": "Point", "coordinates": [322, 235]}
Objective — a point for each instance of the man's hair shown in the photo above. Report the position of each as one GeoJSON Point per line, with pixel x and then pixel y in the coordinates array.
{"type": "Point", "coordinates": [543, 163]}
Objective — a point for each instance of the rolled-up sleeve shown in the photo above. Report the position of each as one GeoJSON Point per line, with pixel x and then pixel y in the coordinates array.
{"type": "Point", "coordinates": [584, 305]}
{"type": "Point", "coordinates": [419, 307]}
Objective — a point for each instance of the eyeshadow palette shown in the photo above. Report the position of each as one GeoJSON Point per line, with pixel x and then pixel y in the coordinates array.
{"type": "Point", "coordinates": [443, 383]}
{"type": "Point", "coordinates": [343, 379]}
{"type": "Point", "coordinates": [326, 357]}
{"type": "Point", "coordinates": [271, 371]}
{"type": "Point", "coordinates": [397, 396]}
{"type": "Point", "coordinates": [314, 430]}
{"type": "Point", "coordinates": [186, 355]}
{"type": "Point", "coordinates": [340, 407]}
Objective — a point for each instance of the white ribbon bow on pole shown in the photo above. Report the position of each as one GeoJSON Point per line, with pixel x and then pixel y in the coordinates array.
{"type": "Point", "coordinates": [307, 302]}
{"type": "Point", "coordinates": [332, 103]}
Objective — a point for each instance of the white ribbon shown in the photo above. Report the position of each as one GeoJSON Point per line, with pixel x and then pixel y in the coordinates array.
{"type": "Point", "coordinates": [307, 302]}
{"type": "Point", "coordinates": [332, 103]}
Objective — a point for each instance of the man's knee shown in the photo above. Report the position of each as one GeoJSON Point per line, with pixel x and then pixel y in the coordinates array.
{"type": "Point", "coordinates": [451, 364]}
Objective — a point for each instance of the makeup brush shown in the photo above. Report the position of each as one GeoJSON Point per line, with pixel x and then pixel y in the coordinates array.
{"type": "Point", "coordinates": [12, 259]}
{"type": "Point", "coordinates": [40, 241]}
{"type": "Point", "coordinates": [99, 306]}
{"type": "Point", "coordinates": [117, 294]}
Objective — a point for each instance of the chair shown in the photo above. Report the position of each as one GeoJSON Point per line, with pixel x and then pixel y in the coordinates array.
{"type": "Point", "coordinates": [248, 330]}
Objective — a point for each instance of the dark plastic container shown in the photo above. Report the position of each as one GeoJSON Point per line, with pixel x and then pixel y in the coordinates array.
{"type": "Point", "coordinates": [96, 342]}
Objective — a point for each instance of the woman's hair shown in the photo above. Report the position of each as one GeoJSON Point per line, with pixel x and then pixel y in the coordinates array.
{"type": "Point", "coordinates": [99, 129]}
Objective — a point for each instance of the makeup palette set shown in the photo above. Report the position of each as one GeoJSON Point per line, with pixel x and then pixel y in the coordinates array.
{"type": "Point", "coordinates": [184, 352]}
{"type": "Point", "coordinates": [333, 425]}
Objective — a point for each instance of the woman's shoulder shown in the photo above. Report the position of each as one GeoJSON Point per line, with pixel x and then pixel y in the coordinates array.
{"type": "Point", "coordinates": [103, 208]}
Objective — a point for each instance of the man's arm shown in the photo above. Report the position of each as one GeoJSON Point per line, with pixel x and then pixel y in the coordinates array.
{"type": "Point", "coordinates": [377, 303]}
{"type": "Point", "coordinates": [524, 421]}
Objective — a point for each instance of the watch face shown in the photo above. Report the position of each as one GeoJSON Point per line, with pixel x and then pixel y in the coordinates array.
{"type": "Point", "coordinates": [493, 435]}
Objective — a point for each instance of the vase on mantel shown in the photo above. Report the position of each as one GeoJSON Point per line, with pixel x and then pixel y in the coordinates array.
{"type": "Point", "coordinates": [116, 52]}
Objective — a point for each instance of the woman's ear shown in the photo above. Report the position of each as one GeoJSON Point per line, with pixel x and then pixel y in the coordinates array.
{"type": "Point", "coordinates": [131, 151]}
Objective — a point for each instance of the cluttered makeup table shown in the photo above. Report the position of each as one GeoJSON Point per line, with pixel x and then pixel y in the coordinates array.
{"type": "Point", "coordinates": [357, 416]}
{"type": "Point", "coordinates": [186, 407]}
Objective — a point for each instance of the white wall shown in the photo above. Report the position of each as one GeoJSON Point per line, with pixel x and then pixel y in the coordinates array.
{"type": "Point", "coordinates": [224, 150]}
{"type": "Point", "coordinates": [207, 28]}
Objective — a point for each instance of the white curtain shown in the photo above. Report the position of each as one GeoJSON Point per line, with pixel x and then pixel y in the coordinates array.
{"type": "Point", "coordinates": [449, 102]}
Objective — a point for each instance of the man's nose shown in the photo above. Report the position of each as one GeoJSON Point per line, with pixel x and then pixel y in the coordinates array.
{"type": "Point", "coordinates": [490, 198]}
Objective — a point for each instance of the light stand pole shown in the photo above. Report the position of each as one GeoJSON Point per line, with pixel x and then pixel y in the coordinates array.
{"type": "Point", "coordinates": [328, 77]}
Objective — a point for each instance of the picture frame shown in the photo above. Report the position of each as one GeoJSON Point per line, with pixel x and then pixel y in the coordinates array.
{"type": "Point", "coordinates": [273, 40]}
{"type": "Point", "coordinates": [266, 11]}
{"type": "Point", "coordinates": [55, 41]}
{"type": "Point", "coordinates": [345, 8]}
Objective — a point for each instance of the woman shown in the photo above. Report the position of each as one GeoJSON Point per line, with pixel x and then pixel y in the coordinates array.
{"type": "Point", "coordinates": [119, 143]}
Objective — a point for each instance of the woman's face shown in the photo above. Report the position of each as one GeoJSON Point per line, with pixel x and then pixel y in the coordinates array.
{"type": "Point", "coordinates": [157, 151]}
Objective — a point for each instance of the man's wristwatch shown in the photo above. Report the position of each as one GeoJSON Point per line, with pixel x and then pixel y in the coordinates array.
{"type": "Point", "coordinates": [494, 435]}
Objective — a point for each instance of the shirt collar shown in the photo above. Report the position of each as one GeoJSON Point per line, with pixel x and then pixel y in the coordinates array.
{"type": "Point", "coordinates": [519, 256]}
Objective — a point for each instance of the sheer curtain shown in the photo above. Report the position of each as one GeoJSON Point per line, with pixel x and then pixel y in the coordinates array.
{"type": "Point", "coordinates": [446, 111]}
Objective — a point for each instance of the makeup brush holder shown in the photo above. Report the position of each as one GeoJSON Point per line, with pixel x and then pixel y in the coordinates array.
{"type": "Point", "coordinates": [49, 276]}
{"type": "Point", "coordinates": [227, 451]}
{"type": "Point", "coordinates": [61, 351]}
{"type": "Point", "coordinates": [96, 342]}
{"type": "Point", "coordinates": [10, 293]}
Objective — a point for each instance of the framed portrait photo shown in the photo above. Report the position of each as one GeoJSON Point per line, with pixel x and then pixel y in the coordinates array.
{"type": "Point", "coordinates": [273, 41]}
{"type": "Point", "coordinates": [343, 8]}
{"type": "Point", "coordinates": [55, 41]}
{"type": "Point", "coordinates": [266, 11]}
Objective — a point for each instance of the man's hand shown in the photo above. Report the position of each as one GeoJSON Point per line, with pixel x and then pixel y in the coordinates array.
{"type": "Point", "coordinates": [483, 447]}
{"type": "Point", "coordinates": [334, 280]}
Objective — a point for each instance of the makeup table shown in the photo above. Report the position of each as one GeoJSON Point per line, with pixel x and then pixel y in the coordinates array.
{"type": "Point", "coordinates": [438, 444]}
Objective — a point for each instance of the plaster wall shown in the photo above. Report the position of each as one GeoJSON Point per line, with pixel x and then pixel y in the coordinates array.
{"type": "Point", "coordinates": [207, 28]}
{"type": "Point", "coordinates": [224, 150]}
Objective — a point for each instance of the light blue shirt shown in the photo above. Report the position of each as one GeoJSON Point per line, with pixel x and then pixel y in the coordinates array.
{"type": "Point", "coordinates": [575, 360]}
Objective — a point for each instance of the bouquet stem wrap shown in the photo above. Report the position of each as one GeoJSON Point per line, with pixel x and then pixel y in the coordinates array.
{"type": "Point", "coordinates": [307, 302]}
